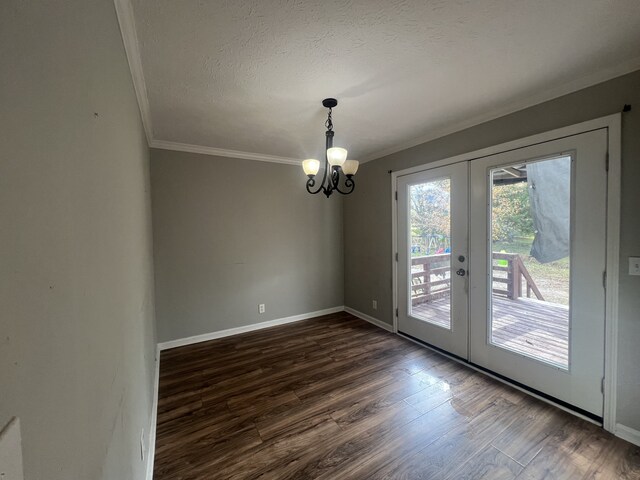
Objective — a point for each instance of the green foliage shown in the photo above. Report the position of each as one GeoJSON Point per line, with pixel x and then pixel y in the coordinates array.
{"type": "Point", "coordinates": [510, 212]}
{"type": "Point", "coordinates": [430, 208]}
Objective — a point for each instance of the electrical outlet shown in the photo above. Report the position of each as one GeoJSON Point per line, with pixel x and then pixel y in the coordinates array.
{"type": "Point", "coordinates": [142, 445]}
{"type": "Point", "coordinates": [261, 308]}
{"type": "Point", "coordinates": [374, 304]}
{"type": "Point", "coordinates": [634, 265]}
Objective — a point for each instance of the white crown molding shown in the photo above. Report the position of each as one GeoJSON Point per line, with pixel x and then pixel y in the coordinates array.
{"type": "Point", "coordinates": [221, 152]}
{"type": "Point", "coordinates": [545, 96]}
{"type": "Point", "coordinates": [124, 12]}
{"type": "Point", "coordinates": [126, 19]}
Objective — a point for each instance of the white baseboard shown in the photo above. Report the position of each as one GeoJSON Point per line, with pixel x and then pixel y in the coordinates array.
{"type": "Point", "coordinates": [11, 450]}
{"type": "Point", "coordinates": [247, 328]}
{"type": "Point", "coordinates": [151, 438]}
{"type": "Point", "coordinates": [370, 319]}
{"type": "Point", "coordinates": [627, 433]}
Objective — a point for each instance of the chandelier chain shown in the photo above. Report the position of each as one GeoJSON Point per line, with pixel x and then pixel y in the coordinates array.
{"type": "Point", "coordinates": [329, 123]}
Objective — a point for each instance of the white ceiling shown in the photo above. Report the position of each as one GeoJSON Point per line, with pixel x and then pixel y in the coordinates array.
{"type": "Point", "coordinates": [249, 76]}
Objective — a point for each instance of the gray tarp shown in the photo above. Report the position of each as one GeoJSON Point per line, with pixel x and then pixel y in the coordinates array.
{"type": "Point", "coordinates": [550, 198]}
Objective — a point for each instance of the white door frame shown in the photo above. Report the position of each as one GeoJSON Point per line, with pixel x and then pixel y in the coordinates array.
{"type": "Point", "coordinates": [454, 339]}
{"type": "Point", "coordinates": [613, 124]}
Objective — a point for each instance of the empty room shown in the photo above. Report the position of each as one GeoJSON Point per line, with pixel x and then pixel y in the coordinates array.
{"type": "Point", "coordinates": [320, 240]}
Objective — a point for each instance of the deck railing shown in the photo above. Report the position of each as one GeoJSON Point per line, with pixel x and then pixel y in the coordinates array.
{"type": "Point", "coordinates": [431, 277]}
{"type": "Point", "coordinates": [516, 272]}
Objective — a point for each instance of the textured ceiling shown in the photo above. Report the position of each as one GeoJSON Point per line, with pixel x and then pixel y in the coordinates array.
{"type": "Point", "coordinates": [250, 75]}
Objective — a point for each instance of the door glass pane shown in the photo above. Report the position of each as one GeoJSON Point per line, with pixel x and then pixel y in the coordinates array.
{"type": "Point", "coordinates": [530, 241]}
{"type": "Point", "coordinates": [430, 272]}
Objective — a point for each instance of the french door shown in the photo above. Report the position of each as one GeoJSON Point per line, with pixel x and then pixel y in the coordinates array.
{"type": "Point", "coordinates": [432, 257]}
{"type": "Point", "coordinates": [501, 262]}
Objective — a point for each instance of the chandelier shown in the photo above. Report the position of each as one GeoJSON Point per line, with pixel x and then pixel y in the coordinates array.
{"type": "Point", "coordinates": [338, 171]}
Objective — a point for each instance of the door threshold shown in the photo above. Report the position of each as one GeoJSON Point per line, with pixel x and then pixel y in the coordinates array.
{"type": "Point", "coordinates": [562, 405]}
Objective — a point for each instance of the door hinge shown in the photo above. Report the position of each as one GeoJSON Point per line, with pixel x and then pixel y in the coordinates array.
{"type": "Point", "coordinates": [396, 312]}
{"type": "Point", "coordinates": [396, 256]}
{"type": "Point", "coordinates": [602, 385]}
{"type": "Point", "coordinates": [606, 163]}
{"type": "Point", "coordinates": [396, 195]}
{"type": "Point", "coordinates": [604, 279]}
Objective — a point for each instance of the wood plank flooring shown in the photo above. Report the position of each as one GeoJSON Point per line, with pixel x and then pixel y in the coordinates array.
{"type": "Point", "coordinates": [337, 398]}
{"type": "Point", "coordinates": [524, 325]}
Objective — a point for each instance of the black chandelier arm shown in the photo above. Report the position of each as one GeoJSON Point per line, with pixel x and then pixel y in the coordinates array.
{"type": "Point", "coordinates": [350, 184]}
{"type": "Point", "coordinates": [321, 188]}
{"type": "Point", "coordinates": [334, 182]}
{"type": "Point", "coordinates": [329, 187]}
{"type": "Point", "coordinates": [310, 184]}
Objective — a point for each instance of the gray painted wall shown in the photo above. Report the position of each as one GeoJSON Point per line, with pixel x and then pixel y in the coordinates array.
{"type": "Point", "coordinates": [230, 234]}
{"type": "Point", "coordinates": [367, 213]}
{"type": "Point", "coordinates": [77, 339]}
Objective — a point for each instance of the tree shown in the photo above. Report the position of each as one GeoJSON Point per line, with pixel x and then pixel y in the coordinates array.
{"type": "Point", "coordinates": [430, 208]}
{"type": "Point", "coordinates": [511, 212]}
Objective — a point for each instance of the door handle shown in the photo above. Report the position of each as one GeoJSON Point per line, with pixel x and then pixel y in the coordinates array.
{"type": "Point", "coordinates": [461, 271]}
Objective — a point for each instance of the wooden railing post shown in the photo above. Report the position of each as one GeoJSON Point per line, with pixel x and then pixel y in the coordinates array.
{"type": "Point", "coordinates": [517, 277]}
{"type": "Point", "coordinates": [510, 273]}
{"type": "Point", "coordinates": [426, 268]}
{"type": "Point", "coordinates": [531, 285]}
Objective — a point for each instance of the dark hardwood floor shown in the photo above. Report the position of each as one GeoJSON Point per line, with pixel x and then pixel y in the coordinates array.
{"type": "Point", "coordinates": [337, 398]}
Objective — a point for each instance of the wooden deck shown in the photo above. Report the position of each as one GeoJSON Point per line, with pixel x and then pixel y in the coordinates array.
{"type": "Point", "coordinates": [531, 327]}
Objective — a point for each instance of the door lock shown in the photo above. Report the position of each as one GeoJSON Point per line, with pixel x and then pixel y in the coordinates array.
{"type": "Point", "coordinates": [461, 271]}
{"type": "Point", "coordinates": [461, 258]}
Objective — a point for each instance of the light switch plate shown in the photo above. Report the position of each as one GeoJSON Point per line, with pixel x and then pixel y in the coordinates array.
{"type": "Point", "coordinates": [634, 265]}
